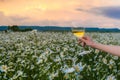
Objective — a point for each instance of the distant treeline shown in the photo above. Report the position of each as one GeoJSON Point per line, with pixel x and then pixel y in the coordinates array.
{"type": "Point", "coordinates": [16, 28]}
{"type": "Point", "coordinates": [61, 29]}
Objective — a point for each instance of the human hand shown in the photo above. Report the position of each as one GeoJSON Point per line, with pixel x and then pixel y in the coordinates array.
{"type": "Point", "coordinates": [86, 41]}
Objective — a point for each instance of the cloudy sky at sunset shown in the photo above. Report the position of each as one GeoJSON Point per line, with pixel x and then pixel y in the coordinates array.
{"type": "Point", "coordinates": [95, 13]}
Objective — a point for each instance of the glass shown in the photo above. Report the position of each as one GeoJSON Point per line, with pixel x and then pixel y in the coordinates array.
{"type": "Point", "coordinates": [78, 31]}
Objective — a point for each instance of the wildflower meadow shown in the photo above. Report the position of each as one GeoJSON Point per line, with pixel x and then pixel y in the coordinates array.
{"type": "Point", "coordinates": [38, 55]}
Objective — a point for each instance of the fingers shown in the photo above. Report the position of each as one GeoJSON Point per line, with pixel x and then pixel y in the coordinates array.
{"type": "Point", "coordinates": [79, 41]}
{"type": "Point", "coordinates": [85, 41]}
{"type": "Point", "coordinates": [85, 38]}
{"type": "Point", "coordinates": [82, 39]}
{"type": "Point", "coordinates": [82, 44]}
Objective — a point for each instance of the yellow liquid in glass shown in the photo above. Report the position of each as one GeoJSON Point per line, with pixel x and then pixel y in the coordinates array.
{"type": "Point", "coordinates": [79, 33]}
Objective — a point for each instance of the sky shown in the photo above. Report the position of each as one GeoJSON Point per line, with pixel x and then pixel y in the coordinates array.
{"type": "Point", "coordinates": [87, 13]}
